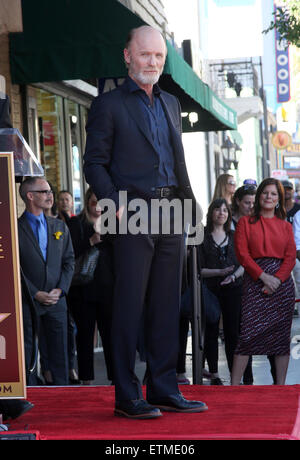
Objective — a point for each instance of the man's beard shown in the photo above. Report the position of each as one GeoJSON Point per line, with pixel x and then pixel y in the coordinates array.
{"type": "Point", "coordinates": [146, 79]}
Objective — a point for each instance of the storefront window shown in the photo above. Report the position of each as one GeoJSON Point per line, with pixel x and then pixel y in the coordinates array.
{"type": "Point", "coordinates": [50, 122]}
{"type": "Point", "coordinates": [76, 147]}
{"type": "Point", "coordinates": [61, 134]}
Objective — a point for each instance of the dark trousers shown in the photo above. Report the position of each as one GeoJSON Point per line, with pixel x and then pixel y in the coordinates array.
{"type": "Point", "coordinates": [148, 272]}
{"type": "Point", "coordinates": [71, 341]}
{"type": "Point", "coordinates": [28, 343]}
{"type": "Point", "coordinates": [230, 301]}
{"type": "Point", "coordinates": [86, 316]}
{"type": "Point", "coordinates": [71, 346]}
{"type": "Point", "coordinates": [184, 326]}
{"type": "Point", "coordinates": [54, 326]}
{"type": "Point", "coordinates": [52, 332]}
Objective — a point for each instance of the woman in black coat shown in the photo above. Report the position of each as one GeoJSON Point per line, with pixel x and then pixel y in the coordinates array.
{"type": "Point", "coordinates": [222, 274]}
{"type": "Point", "coordinates": [91, 304]}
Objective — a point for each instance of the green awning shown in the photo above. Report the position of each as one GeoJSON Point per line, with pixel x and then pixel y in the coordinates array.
{"type": "Point", "coordinates": [237, 137]}
{"type": "Point", "coordinates": [76, 39]}
{"type": "Point", "coordinates": [70, 39]}
{"type": "Point", "coordinates": [180, 79]}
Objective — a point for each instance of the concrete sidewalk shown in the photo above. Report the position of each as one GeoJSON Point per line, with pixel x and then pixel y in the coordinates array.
{"type": "Point", "coordinates": [261, 367]}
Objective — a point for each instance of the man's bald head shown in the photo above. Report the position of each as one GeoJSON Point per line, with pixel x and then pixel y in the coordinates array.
{"type": "Point", "coordinates": [138, 31]}
{"type": "Point", "coordinates": [145, 55]}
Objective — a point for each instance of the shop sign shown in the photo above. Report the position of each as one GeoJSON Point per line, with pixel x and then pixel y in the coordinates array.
{"type": "Point", "coordinates": [291, 162]}
{"type": "Point", "coordinates": [282, 66]}
{"type": "Point", "coordinates": [279, 174]}
{"type": "Point", "coordinates": [12, 367]}
{"type": "Point", "coordinates": [281, 140]}
{"type": "Point", "coordinates": [108, 84]}
{"type": "Point", "coordinates": [295, 147]}
{"type": "Point", "coordinates": [48, 133]}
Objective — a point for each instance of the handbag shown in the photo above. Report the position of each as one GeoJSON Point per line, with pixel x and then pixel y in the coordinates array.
{"type": "Point", "coordinates": [85, 266]}
{"type": "Point", "coordinates": [212, 307]}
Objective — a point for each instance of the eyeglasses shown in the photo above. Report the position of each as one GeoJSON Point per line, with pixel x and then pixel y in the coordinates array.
{"type": "Point", "coordinates": [249, 187]}
{"type": "Point", "coordinates": [231, 182]}
{"type": "Point", "coordinates": [45, 192]}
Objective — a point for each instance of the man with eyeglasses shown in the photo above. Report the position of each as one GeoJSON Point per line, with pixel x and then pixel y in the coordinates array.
{"type": "Point", "coordinates": [47, 261]}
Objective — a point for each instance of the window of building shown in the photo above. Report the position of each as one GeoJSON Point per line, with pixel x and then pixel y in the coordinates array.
{"type": "Point", "coordinates": [51, 136]}
{"type": "Point", "coordinates": [57, 126]}
{"type": "Point", "coordinates": [75, 117]}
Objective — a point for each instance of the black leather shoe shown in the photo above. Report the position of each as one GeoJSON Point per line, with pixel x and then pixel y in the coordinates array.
{"type": "Point", "coordinates": [138, 409]}
{"type": "Point", "coordinates": [216, 381]}
{"type": "Point", "coordinates": [11, 409]}
{"type": "Point", "coordinates": [73, 382]}
{"type": "Point", "coordinates": [177, 403]}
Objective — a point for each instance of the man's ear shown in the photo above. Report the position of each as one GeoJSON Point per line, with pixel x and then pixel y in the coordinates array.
{"type": "Point", "coordinates": [127, 56]}
{"type": "Point", "coordinates": [29, 196]}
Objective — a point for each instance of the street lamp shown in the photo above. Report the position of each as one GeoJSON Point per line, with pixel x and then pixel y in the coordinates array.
{"type": "Point", "coordinates": [238, 151]}
{"type": "Point", "coordinates": [229, 150]}
{"type": "Point", "coordinates": [193, 118]}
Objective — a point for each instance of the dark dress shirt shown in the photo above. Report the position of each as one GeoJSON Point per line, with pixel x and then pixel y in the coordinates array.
{"type": "Point", "coordinates": [159, 128]}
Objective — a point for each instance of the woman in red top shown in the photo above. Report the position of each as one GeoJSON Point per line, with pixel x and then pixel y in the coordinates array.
{"type": "Point", "coordinates": [265, 247]}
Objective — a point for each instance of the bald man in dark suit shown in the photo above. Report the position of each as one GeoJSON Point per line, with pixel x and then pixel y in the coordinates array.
{"type": "Point", "coordinates": [134, 145]}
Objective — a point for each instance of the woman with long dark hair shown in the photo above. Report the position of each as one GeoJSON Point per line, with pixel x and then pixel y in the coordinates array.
{"type": "Point", "coordinates": [265, 247]}
{"type": "Point", "coordinates": [222, 274]}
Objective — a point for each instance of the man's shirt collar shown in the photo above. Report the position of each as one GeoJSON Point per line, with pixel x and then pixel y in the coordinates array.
{"type": "Point", "coordinates": [133, 87]}
{"type": "Point", "coordinates": [33, 218]}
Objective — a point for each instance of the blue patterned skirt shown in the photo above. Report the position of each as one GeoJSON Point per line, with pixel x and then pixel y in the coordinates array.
{"type": "Point", "coordinates": [266, 320]}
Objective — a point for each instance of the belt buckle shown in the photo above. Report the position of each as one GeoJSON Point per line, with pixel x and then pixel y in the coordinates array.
{"type": "Point", "coordinates": [164, 192]}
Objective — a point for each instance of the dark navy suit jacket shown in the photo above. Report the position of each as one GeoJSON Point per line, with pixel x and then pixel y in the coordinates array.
{"type": "Point", "coordinates": [120, 153]}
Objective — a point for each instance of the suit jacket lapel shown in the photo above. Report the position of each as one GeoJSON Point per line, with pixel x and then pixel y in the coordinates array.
{"type": "Point", "coordinates": [51, 231]}
{"type": "Point", "coordinates": [175, 133]}
{"type": "Point", "coordinates": [170, 118]}
{"type": "Point", "coordinates": [136, 112]}
{"type": "Point", "coordinates": [28, 230]}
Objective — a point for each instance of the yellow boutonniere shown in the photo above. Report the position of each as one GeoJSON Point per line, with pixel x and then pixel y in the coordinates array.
{"type": "Point", "coordinates": [57, 235]}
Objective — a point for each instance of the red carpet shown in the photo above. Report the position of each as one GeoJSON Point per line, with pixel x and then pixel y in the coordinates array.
{"type": "Point", "coordinates": [255, 412]}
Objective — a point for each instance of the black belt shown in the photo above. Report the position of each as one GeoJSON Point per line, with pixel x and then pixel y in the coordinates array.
{"type": "Point", "coordinates": [165, 192]}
